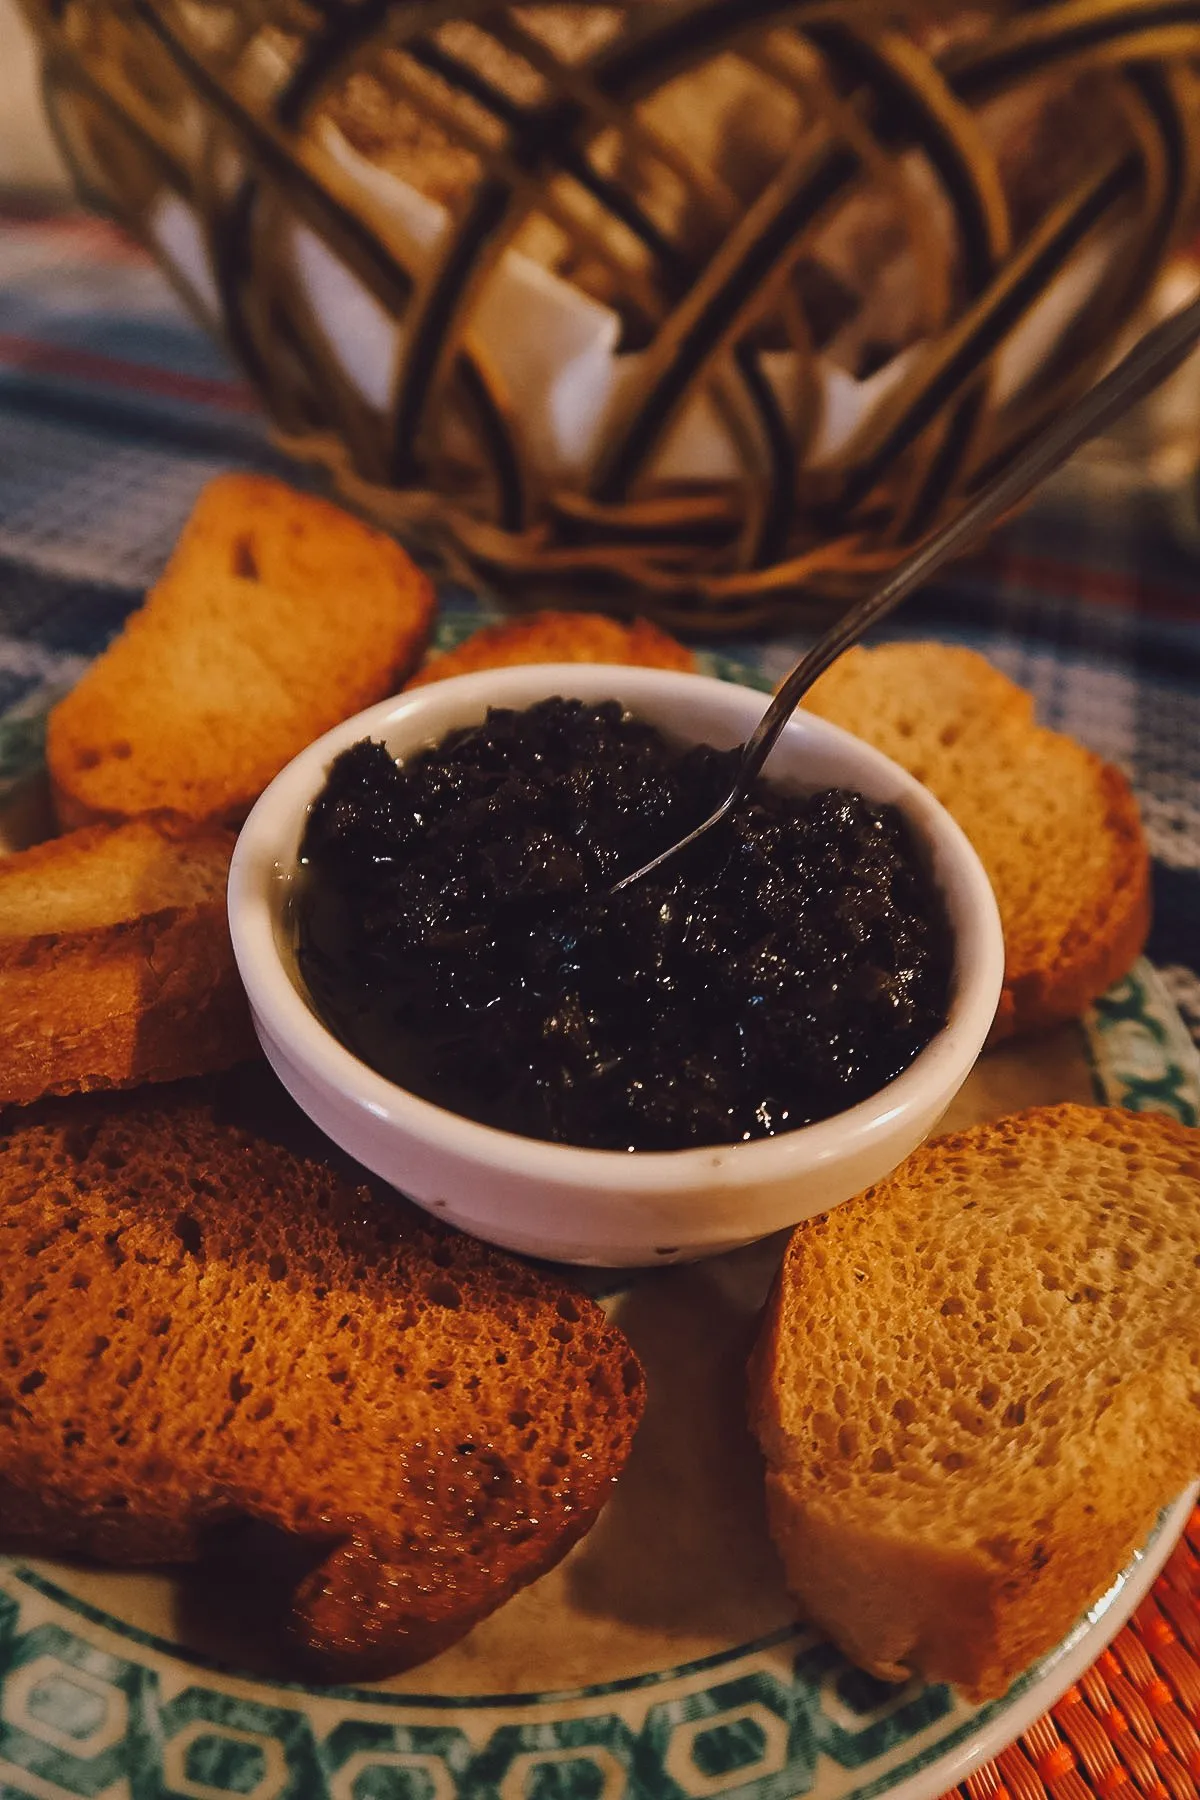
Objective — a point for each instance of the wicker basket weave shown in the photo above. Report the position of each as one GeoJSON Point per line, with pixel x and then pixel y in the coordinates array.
{"type": "Point", "coordinates": [937, 224]}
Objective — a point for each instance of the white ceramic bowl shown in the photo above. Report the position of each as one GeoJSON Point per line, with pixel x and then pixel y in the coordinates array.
{"type": "Point", "coordinates": [604, 1207]}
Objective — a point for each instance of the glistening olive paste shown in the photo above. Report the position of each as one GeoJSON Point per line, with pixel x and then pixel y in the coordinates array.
{"type": "Point", "coordinates": [457, 933]}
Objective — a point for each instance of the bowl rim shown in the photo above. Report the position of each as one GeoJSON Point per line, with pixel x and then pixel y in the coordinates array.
{"type": "Point", "coordinates": [257, 878]}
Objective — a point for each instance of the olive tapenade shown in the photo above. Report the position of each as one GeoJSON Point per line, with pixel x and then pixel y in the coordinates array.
{"type": "Point", "coordinates": [456, 931]}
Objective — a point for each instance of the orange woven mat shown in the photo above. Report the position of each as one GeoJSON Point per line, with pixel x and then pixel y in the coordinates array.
{"type": "Point", "coordinates": [1131, 1725]}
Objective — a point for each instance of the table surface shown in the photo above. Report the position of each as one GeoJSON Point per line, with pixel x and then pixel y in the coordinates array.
{"type": "Point", "coordinates": [115, 409]}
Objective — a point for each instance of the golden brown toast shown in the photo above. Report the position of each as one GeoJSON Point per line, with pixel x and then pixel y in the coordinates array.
{"type": "Point", "coordinates": [549, 637]}
{"type": "Point", "coordinates": [115, 960]}
{"type": "Point", "coordinates": [1056, 828]}
{"type": "Point", "coordinates": [211, 1331]}
{"type": "Point", "coordinates": [277, 616]}
{"type": "Point", "coordinates": [977, 1384]}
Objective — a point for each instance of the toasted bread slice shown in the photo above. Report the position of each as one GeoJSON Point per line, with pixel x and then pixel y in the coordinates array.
{"type": "Point", "coordinates": [550, 637]}
{"type": "Point", "coordinates": [978, 1383]}
{"type": "Point", "coordinates": [209, 1330]}
{"type": "Point", "coordinates": [277, 616]}
{"type": "Point", "coordinates": [115, 960]}
{"type": "Point", "coordinates": [1056, 828]}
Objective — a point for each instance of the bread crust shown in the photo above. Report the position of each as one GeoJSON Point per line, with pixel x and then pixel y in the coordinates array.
{"type": "Point", "coordinates": [1056, 827]}
{"type": "Point", "coordinates": [153, 999]}
{"type": "Point", "coordinates": [1105, 940]}
{"type": "Point", "coordinates": [148, 992]}
{"type": "Point", "coordinates": [898, 1608]}
{"type": "Point", "coordinates": [213, 1332]}
{"type": "Point", "coordinates": [956, 1471]}
{"type": "Point", "coordinates": [246, 649]}
{"type": "Point", "coordinates": [550, 636]}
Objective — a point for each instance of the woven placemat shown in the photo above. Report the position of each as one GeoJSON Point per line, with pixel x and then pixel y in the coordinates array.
{"type": "Point", "coordinates": [1129, 1725]}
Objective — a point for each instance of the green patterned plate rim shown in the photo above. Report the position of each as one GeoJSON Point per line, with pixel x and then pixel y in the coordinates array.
{"type": "Point", "coordinates": [92, 1705]}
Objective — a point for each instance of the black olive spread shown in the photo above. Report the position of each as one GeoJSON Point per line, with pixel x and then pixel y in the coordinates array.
{"type": "Point", "coordinates": [456, 931]}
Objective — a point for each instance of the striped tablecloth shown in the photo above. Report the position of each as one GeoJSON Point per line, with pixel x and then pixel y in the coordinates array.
{"type": "Point", "coordinates": [115, 409]}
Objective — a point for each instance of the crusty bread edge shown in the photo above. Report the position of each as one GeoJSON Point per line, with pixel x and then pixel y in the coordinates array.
{"type": "Point", "coordinates": [195, 1019]}
{"type": "Point", "coordinates": [960, 1617]}
{"type": "Point", "coordinates": [333, 1559]}
{"type": "Point", "coordinates": [1090, 959]}
{"type": "Point", "coordinates": [428, 1638]}
{"type": "Point", "coordinates": [491, 647]}
{"type": "Point", "coordinates": [73, 812]}
{"type": "Point", "coordinates": [50, 1525]}
{"type": "Point", "coordinates": [898, 1609]}
{"type": "Point", "coordinates": [176, 827]}
{"type": "Point", "coordinates": [1087, 964]}
{"type": "Point", "coordinates": [191, 1016]}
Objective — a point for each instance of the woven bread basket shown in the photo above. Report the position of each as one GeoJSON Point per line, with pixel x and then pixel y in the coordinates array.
{"type": "Point", "coordinates": [708, 306]}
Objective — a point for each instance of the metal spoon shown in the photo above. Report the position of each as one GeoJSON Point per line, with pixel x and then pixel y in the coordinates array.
{"type": "Point", "coordinates": [1154, 357]}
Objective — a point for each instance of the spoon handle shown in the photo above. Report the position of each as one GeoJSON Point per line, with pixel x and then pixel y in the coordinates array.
{"type": "Point", "coordinates": [1154, 357]}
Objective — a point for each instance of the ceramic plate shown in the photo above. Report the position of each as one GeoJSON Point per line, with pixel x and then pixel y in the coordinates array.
{"type": "Point", "coordinates": [659, 1660]}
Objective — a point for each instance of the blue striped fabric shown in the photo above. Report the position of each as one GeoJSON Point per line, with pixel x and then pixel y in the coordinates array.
{"type": "Point", "coordinates": [115, 409]}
